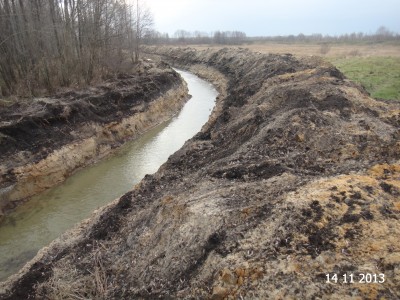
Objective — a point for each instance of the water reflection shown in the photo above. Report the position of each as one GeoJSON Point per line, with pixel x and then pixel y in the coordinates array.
{"type": "Point", "coordinates": [47, 215]}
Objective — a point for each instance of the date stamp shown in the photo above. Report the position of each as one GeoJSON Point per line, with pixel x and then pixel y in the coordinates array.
{"type": "Point", "coordinates": [355, 278]}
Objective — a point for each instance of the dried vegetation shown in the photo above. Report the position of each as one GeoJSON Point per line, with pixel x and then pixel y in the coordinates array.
{"type": "Point", "coordinates": [296, 175]}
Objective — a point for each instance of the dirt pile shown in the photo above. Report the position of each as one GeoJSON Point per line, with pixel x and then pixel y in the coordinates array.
{"type": "Point", "coordinates": [296, 176]}
{"type": "Point", "coordinates": [44, 140]}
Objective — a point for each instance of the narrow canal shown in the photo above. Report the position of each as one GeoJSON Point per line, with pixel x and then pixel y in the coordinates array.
{"type": "Point", "coordinates": [46, 216]}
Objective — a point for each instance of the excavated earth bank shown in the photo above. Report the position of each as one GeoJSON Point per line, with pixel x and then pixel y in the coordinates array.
{"type": "Point", "coordinates": [295, 176]}
{"type": "Point", "coordinates": [44, 140]}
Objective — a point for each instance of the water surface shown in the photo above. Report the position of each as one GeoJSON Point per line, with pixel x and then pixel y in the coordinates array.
{"type": "Point", "coordinates": [42, 219]}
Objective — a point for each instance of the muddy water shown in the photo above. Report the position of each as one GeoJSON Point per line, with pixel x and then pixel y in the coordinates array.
{"type": "Point", "coordinates": [49, 214]}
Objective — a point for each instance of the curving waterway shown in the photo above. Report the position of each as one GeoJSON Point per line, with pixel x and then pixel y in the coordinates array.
{"type": "Point", "coordinates": [42, 219]}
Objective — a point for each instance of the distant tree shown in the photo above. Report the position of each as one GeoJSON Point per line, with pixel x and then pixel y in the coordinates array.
{"type": "Point", "coordinates": [201, 37]}
{"type": "Point", "coordinates": [182, 35]}
{"type": "Point", "coordinates": [219, 37]}
{"type": "Point", "coordinates": [382, 34]}
{"type": "Point", "coordinates": [238, 37]}
{"type": "Point", "coordinates": [153, 37]}
{"type": "Point", "coordinates": [229, 37]}
{"type": "Point", "coordinates": [383, 31]}
{"type": "Point", "coordinates": [301, 37]}
{"type": "Point", "coordinates": [317, 36]}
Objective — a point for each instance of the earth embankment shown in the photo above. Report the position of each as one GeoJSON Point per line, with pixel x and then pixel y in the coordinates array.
{"type": "Point", "coordinates": [44, 140]}
{"type": "Point", "coordinates": [295, 176]}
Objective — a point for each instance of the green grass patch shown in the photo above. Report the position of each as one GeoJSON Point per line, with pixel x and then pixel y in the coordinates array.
{"type": "Point", "coordinates": [379, 75]}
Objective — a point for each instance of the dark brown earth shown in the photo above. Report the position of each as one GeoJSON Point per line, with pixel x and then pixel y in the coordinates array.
{"type": "Point", "coordinates": [35, 134]}
{"type": "Point", "coordinates": [295, 176]}
{"type": "Point", "coordinates": [40, 125]}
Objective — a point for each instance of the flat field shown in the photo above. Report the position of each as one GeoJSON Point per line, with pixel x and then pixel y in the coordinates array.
{"type": "Point", "coordinates": [379, 75]}
{"type": "Point", "coordinates": [375, 66]}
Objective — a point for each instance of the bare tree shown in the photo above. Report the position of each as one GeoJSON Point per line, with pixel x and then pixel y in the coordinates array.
{"type": "Point", "coordinates": [229, 37]}
{"type": "Point", "coordinates": [50, 43]}
{"type": "Point", "coordinates": [144, 23]}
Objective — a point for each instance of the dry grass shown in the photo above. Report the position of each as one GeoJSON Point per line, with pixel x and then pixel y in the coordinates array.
{"type": "Point", "coordinates": [93, 283]}
{"type": "Point", "coordinates": [335, 50]}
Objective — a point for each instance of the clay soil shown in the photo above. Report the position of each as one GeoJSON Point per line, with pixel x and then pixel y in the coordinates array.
{"type": "Point", "coordinates": [295, 176]}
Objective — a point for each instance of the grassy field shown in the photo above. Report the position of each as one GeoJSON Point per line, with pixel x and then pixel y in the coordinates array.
{"type": "Point", "coordinates": [379, 75]}
{"type": "Point", "coordinates": [375, 66]}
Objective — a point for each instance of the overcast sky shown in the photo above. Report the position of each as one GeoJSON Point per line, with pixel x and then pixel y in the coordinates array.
{"type": "Point", "coordinates": [275, 17]}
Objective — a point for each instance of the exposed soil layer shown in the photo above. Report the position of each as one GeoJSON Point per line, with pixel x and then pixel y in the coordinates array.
{"type": "Point", "coordinates": [44, 140]}
{"type": "Point", "coordinates": [295, 176]}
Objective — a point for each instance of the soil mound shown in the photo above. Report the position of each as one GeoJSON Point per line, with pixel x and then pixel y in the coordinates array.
{"type": "Point", "coordinates": [294, 179]}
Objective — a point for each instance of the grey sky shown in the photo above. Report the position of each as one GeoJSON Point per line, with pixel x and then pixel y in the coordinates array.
{"type": "Point", "coordinates": [276, 17]}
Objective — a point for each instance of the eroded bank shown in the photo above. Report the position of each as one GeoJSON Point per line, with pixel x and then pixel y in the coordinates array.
{"type": "Point", "coordinates": [47, 215]}
{"type": "Point", "coordinates": [44, 141]}
{"type": "Point", "coordinates": [295, 176]}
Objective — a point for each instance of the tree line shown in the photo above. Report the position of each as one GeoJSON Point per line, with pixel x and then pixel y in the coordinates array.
{"type": "Point", "coordinates": [382, 34]}
{"type": "Point", "coordinates": [45, 44]}
{"type": "Point", "coordinates": [196, 37]}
